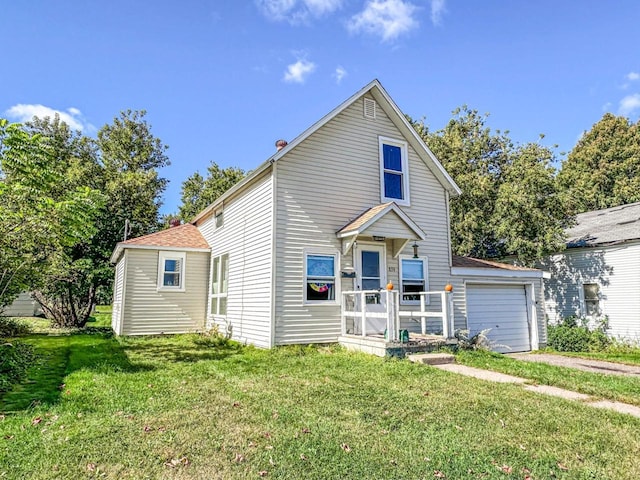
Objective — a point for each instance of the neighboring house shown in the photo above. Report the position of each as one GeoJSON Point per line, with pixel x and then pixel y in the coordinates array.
{"type": "Point", "coordinates": [300, 251]}
{"type": "Point", "coordinates": [598, 276]}
{"type": "Point", "coordinates": [23, 306]}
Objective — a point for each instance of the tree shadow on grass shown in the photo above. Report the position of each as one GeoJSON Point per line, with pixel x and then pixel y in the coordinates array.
{"type": "Point", "coordinates": [198, 348]}
{"type": "Point", "coordinates": [94, 349]}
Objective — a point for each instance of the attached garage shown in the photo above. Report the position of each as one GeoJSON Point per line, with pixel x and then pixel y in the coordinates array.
{"type": "Point", "coordinates": [504, 299]}
{"type": "Point", "coordinates": [504, 311]}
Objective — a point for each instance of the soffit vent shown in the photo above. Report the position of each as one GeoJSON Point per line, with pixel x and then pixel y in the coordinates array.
{"type": "Point", "coordinates": [369, 108]}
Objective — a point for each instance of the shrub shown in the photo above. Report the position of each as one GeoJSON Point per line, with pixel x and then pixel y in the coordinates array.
{"type": "Point", "coordinates": [15, 359]}
{"type": "Point", "coordinates": [11, 327]}
{"type": "Point", "coordinates": [479, 341]}
{"type": "Point", "coordinates": [574, 335]}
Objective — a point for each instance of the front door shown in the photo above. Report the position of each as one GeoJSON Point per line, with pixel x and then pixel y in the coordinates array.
{"type": "Point", "coordinates": [371, 275]}
{"type": "Point", "coordinates": [370, 267]}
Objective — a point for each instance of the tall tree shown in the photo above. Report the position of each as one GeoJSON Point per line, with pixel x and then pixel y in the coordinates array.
{"type": "Point", "coordinates": [40, 216]}
{"type": "Point", "coordinates": [509, 203]}
{"type": "Point", "coordinates": [199, 192]}
{"type": "Point", "coordinates": [603, 169]}
{"type": "Point", "coordinates": [123, 164]}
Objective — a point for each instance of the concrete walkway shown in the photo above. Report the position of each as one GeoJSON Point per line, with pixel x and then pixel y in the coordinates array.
{"type": "Point", "coordinates": [491, 376]}
{"type": "Point", "coordinates": [595, 366]}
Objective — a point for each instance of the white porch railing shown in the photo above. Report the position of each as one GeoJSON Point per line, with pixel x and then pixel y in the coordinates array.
{"type": "Point", "coordinates": [373, 312]}
{"type": "Point", "coordinates": [446, 307]}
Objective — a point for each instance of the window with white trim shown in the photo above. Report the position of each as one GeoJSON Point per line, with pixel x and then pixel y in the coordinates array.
{"type": "Point", "coordinates": [320, 277]}
{"type": "Point", "coordinates": [171, 271]}
{"type": "Point", "coordinates": [394, 171]}
{"type": "Point", "coordinates": [219, 219]}
{"type": "Point", "coordinates": [219, 284]}
{"type": "Point", "coordinates": [413, 279]}
{"type": "Point", "coordinates": [591, 292]}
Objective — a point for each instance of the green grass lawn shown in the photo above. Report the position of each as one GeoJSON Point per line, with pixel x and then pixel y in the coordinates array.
{"type": "Point", "coordinates": [627, 355]}
{"type": "Point", "coordinates": [612, 387]}
{"type": "Point", "coordinates": [190, 407]}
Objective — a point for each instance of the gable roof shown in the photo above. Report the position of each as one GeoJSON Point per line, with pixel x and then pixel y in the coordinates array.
{"type": "Point", "coordinates": [395, 115]}
{"type": "Point", "coordinates": [470, 262]}
{"type": "Point", "coordinates": [182, 237]}
{"type": "Point", "coordinates": [605, 227]}
{"type": "Point", "coordinates": [469, 266]}
{"type": "Point", "coordinates": [372, 215]}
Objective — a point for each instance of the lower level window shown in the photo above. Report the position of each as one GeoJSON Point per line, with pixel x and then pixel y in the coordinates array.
{"type": "Point", "coordinates": [591, 299]}
{"type": "Point", "coordinates": [171, 271]}
{"type": "Point", "coordinates": [320, 278]}
{"type": "Point", "coordinates": [413, 275]}
{"type": "Point", "coordinates": [219, 282]}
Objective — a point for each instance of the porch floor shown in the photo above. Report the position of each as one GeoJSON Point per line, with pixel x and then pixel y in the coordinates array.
{"type": "Point", "coordinates": [376, 344]}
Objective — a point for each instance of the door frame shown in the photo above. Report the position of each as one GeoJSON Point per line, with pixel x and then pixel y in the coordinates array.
{"type": "Point", "coordinates": [357, 261]}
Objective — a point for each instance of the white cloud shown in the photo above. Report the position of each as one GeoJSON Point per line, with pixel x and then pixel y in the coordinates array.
{"type": "Point", "coordinates": [299, 71]}
{"type": "Point", "coordinates": [297, 11]}
{"type": "Point", "coordinates": [438, 9]}
{"type": "Point", "coordinates": [629, 104]}
{"type": "Point", "coordinates": [72, 117]}
{"type": "Point", "coordinates": [339, 74]}
{"type": "Point", "coordinates": [386, 18]}
{"type": "Point", "coordinates": [632, 76]}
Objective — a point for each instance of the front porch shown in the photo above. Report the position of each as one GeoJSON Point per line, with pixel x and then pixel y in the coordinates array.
{"type": "Point", "coordinates": [373, 321]}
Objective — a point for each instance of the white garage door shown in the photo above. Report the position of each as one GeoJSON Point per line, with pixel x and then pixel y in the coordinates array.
{"type": "Point", "coordinates": [503, 310]}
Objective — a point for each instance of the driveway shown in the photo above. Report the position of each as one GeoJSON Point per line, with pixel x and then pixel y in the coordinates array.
{"type": "Point", "coordinates": [596, 366]}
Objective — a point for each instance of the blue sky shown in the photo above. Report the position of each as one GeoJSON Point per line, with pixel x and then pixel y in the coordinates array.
{"type": "Point", "coordinates": [223, 80]}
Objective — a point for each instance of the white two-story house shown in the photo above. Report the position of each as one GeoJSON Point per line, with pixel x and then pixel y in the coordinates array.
{"type": "Point", "coordinates": [337, 235]}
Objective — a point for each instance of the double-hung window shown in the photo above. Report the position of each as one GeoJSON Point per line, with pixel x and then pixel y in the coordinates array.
{"type": "Point", "coordinates": [394, 171]}
{"type": "Point", "coordinates": [591, 292]}
{"type": "Point", "coordinates": [414, 279]}
{"type": "Point", "coordinates": [320, 277]}
{"type": "Point", "coordinates": [219, 283]}
{"type": "Point", "coordinates": [171, 271]}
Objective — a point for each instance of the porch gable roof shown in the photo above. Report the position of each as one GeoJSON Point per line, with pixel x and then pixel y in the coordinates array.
{"type": "Point", "coordinates": [367, 219]}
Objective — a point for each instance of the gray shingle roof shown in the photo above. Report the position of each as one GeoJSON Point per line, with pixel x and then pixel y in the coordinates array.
{"type": "Point", "coordinates": [606, 227]}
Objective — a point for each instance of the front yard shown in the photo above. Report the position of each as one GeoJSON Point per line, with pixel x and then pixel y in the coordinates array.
{"type": "Point", "coordinates": [193, 407]}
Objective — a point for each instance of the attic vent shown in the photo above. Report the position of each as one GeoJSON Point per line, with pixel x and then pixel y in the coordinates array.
{"type": "Point", "coordinates": [369, 108]}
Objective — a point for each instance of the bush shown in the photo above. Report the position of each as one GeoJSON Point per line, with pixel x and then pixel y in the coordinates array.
{"type": "Point", "coordinates": [574, 335]}
{"type": "Point", "coordinates": [10, 327]}
{"type": "Point", "coordinates": [15, 359]}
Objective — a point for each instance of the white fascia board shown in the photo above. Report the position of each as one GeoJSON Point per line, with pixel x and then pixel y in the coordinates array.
{"type": "Point", "coordinates": [403, 216]}
{"type": "Point", "coordinates": [232, 191]}
{"type": "Point", "coordinates": [492, 272]}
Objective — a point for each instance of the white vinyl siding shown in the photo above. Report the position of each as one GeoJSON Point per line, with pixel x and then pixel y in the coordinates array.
{"type": "Point", "coordinates": [148, 310]}
{"type": "Point", "coordinates": [118, 295]}
{"type": "Point", "coordinates": [313, 206]}
{"type": "Point", "coordinates": [247, 239]}
{"type": "Point", "coordinates": [615, 269]}
{"type": "Point", "coordinates": [22, 306]}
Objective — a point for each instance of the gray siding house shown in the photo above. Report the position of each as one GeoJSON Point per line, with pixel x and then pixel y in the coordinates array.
{"type": "Point", "coordinates": [598, 276]}
{"type": "Point", "coordinates": [343, 235]}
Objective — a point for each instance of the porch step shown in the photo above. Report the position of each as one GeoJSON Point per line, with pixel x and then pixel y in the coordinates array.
{"type": "Point", "coordinates": [431, 358]}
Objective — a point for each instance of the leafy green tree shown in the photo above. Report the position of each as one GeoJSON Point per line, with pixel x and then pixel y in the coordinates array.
{"type": "Point", "coordinates": [199, 192]}
{"type": "Point", "coordinates": [509, 203]}
{"type": "Point", "coordinates": [123, 164]}
{"type": "Point", "coordinates": [603, 169]}
{"type": "Point", "coordinates": [40, 216]}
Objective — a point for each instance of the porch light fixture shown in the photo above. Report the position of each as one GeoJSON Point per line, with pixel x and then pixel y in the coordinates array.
{"type": "Point", "coordinates": [415, 249]}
